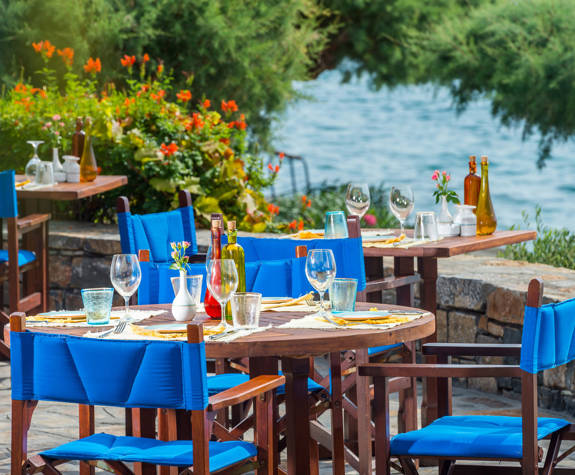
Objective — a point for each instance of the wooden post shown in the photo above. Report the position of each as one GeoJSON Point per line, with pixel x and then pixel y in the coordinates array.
{"type": "Point", "coordinates": [86, 425]}
{"type": "Point", "coordinates": [381, 426]}
{"type": "Point", "coordinates": [337, 442]}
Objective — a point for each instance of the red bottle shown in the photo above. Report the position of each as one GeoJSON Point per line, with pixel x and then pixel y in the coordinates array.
{"type": "Point", "coordinates": [213, 308]}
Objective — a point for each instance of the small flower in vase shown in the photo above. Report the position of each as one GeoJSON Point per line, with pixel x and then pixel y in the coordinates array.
{"type": "Point", "coordinates": [179, 256]}
{"type": "Point", "coordinates": [442, 181]}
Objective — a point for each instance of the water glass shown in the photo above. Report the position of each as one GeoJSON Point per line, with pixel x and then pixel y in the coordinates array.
{"type": "Point", "coordinates": [342, 294]}
{"type": "Point", "coordinates": [125, 274]}
{"type": "Point", "coordinates": [426, 227]}
{"type": "Point", "coordinates": [222, 282]}
{"type": "Point", "coordinates": [320, 270]}
{"type": "Point", "coordinates": [357, 199]}
{"type": "Point", "coordinates": [401, 201]}
{"type": "Point", "coordinates": [246, 307]}
{"type": "Point", "coordinates": [335, 225]}
{"type": "Point", "coordinates": [194, 284]}
{"type": "Point", "coordinates": [98, 305]}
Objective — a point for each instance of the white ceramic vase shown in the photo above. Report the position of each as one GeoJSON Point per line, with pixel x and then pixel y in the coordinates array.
{"type": "Point", "coordinates": [183, 307]}
{"type": "Point", "coordinates": [445, 224]}
{"type": "Point", "coordinates": [59, 173]}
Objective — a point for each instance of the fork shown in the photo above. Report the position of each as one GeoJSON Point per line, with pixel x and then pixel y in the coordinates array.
{"type": "Point", "coordinates": [119, 328]}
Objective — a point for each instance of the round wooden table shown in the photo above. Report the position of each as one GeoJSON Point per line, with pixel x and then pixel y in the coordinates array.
{"type": "Point", "coordinates": [295, 347]}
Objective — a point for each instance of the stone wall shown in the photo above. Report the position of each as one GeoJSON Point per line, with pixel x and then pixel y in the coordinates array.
{"type": "Point", "coordinates": [480, 298]}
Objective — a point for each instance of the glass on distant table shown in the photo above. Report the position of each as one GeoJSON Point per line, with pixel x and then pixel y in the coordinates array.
{"type": "Point", "coordinates": [194, 284]}
{"type": "Point", "coordinates": [357, 199]}
{"type": "Point", "coordinates": [98, 305]}
{"type": "Point", "coordinates": [342, 294]}
{"type": "Point", "coordinates": [320, 270]}
{"type": "Point", "coordinates": [246, 307]}
{"type": "Point", "coordinates": [125, 274]}
{"type": "Point", "coordinates": [425, 227]}
{"type": "Point", "coordinates": [222, 282]}
{"type": "Point", "coordinates": [401, 203]}
{"type": "Point", "coordinates": [335, 225]}
{"type": "Point", "coordinates": [32, 166]}
{"type": "Point", "coordinates": [45, 173]}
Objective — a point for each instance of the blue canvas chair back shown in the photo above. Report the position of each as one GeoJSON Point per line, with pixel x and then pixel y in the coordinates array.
{"type": "Point", "coordinates": [273, 269]}
{"type": "Point", "coordinates": [548, 336]}
{"type": "Point", "coordinates": [156, 231]}
{"type": "Point", "coordinates": [148, 374]}
{"type": "Point", "coordinates": [8, 203]}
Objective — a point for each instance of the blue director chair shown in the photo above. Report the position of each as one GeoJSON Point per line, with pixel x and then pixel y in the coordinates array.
{"type": "Point", "coordinates": [167, 376]}
{"type": "Point", "coordinates": [548, 341]}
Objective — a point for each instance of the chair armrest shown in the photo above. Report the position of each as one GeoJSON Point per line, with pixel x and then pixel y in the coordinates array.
{"type": "Point", "coordinates": [438, 370]}
{"type": "Point", "coordinates": [471, 349]}
{"type": "Point", "coordinates": [245, 391]}
{"type": "Point", "coordinates": [198, 258]}
{"type": "Point", "coordinates": [32, 221]}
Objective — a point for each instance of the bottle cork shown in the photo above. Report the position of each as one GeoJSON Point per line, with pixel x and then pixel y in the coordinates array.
{"type": "Point", "coordinates": [231, 225]}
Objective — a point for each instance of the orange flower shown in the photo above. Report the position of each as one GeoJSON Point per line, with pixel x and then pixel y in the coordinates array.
{"type": "Point", "coordinates": [21, 88]}
{"type": "Point", "coordinates": [225, 141]}
{"type": "Point", "coordinates": [229, 106]}
{"type": "Point", "coordinates": [41, 92]}
{"type": "Point", "coordinates": [273, 209]}
{"type": "Point", "coordinates": [159, 96]}
{"type": "Point", "coordinates": [277, 168]}
{"type": "Point", "coordinates": [308, 203]}
{"type": "Point", "coordinates": [49, 49]}
{"type": "Point", "coordinates": [293, 225]}
{"type": "Point", "coordinates": [206, 104]}
{"type": "Point", "coordinates": [184, 95]}
{"type": "Point", "coordinates": [168, 150]}
{"type": "Point", "coordinates": [303, 198]}
{"type": "Point", "coordinates": [67, 55]}
{"type": "Point", "coordinates": [300, 225]}
{"type": "Point", "coordinates": [145, 58]}
{"type": "Point", "coordinates": [160, 69]}
{"type": "Point", "coordinates": [228, 152]}
{"type": "Point", "coordinates": [281, 155]}
{"type": "Point", "coordinates": [38, 46]}
{"type": "Point", "coordinates": [128, 61]}
{"type": "Point", "coordinates": [93, 66]}
{"type": "Point", "coordinates": [270, 167]}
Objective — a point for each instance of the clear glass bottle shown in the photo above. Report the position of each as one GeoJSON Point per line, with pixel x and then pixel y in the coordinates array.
{"type": "Point", "coordinates": [486, 220]}
{"type": "Point", "coordinates": [471, 184]}
{"type": "Point", "coordinates": [232, 250]}
{"type": "Point", "coordinates": [213, 308]}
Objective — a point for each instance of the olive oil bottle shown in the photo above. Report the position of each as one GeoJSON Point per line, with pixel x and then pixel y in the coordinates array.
{"type": "Point", "coordinates": [232, 250]}
{"type": "Point", "coordinates": [486, 220]}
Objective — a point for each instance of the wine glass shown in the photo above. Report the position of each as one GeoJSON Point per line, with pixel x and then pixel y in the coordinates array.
{"type": "Point", "coordinates": [222, 282]}
{"type": "Point", "coordinates": [125, 274]}
{"type": "Point", "coordinates": [31, 169]}
{"type": "Point", "coordinates": [401, 202]}
{"type": "Point", "coordinates": [357, 199]}
{"type": "Point", "coordinates": [320, 271]}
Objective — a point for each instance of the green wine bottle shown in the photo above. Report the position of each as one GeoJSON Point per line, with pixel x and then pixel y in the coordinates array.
{"type": "Point", "coordinates": [232, 250]}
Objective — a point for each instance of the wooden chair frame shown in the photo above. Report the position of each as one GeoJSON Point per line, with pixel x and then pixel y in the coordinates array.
{"type": "Point", "coordinates": [194, 425]}
{"type": "Point", "coordinates": [443, 372]}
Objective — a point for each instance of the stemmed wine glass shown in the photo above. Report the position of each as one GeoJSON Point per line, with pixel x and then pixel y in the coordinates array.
{"type": "Point", "coordinates": [401, 201]}
{"type": "Point", "coordinates": [320, 270]}
{"type": "Point", "coordinates": [125, 274]}
{"type": "Point", "coordinates": [32, 166]}
{"type": "Point", "coordinates": [223, 282]}
{"type": "Point", "coordinates": [357, 199]}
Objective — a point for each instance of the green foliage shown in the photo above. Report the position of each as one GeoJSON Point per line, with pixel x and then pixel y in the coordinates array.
{"type": "Point", "coordinates": [310, 209]}
{"type": "Point", "coordinates": [248, 51]}
{"type": "Point", "coordinates": [519, 55]}
{"type": "Point", "coordinates": [555, 247]}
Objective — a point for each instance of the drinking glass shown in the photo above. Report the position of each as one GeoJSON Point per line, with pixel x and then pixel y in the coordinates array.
{"type": "Point", "coordinates": [320, 270]}
{"type": "Point", "coordinates": [45, 173]}
{"type": "Point", "coordinates": [357, 199]}
{"type": "Point", "coordinates": [246, 307]}
{"type": "Point", "coordinates": [222, 282]}
{"type": "Point", "coordinates": [342, 294]}
{"type": "Point", "coordinates": [335, 225]}
{"type": "Point", "coordinates": [425, 227]}
{"type": "Point", "coordinates": [98, 305]}
{"type": "Point", "coordinates": [32, 166]}
{"type": "Point", "coordinates": [401, 202]}
{"type": "Point", "coordinates": [125, 274]}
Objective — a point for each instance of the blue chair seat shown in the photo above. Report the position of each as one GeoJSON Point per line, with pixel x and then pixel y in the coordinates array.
{"type": "Point", "coordinates": [221, 382]}
{"type": "Point", "coordinates": [380, 349]}
{"type": "Point", "coordinates": [135, 449]}
{"type": "Point", "coordinates": [24, 257]}
{"type": "Point", "coordinates": [494, 437]}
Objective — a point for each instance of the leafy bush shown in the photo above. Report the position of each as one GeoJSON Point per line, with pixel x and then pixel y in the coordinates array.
{"type": "Point", "coordinates": [162, 144]}
{"type": "Point", "coordinates": [309, 210]}
{"type": "Point", "coordinates": [555, 247]}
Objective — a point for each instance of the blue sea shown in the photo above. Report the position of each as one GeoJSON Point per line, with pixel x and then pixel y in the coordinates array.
{"type": "Point", "coordinates": [351, 132]}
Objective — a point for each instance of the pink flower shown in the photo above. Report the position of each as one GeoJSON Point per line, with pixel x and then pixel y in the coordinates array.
{"type": "Point", "coordinates": [370, 219]}
{"type": "Point", "coordinates": [56, 117]}
{"type": "Point", "coordinates": [186, 244]}
{"type": "Point", "coordinates": [173, 244]}
{"type": "Point", "coordinates": [48, 124]}
{"type": "Point", "coordinates": [56, 132]}
{"type": "Point", "coordinates": [435, 175]}
{"type": "Point", "coordinates": [438, 185]}
{"type": "Point", "coordinates": [444, 172]}
{"type": "Point", "coordinates": [61, 124]}
{"type": "Point", "coordinates": [448, 177]}
{"type": "Point", "coordinates": [174, 254]}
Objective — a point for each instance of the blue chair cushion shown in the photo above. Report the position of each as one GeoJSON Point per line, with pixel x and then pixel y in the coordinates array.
{"type": "Point", "coordinates": [471, 436]}
{"type": "Point", "coordinates": [380, 349]}
{"type": "Point", "coordinates": [138, 449]}
{"type": "Point", "coordinates": [24, 257]}
{"type": "Point", "coordinates": [221, 382]}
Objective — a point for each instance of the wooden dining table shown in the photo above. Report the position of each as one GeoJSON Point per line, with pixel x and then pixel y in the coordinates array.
{"type": "Point", "coordinates": [427, 256]}
{"type": "Point", "coordinates": [294, 347]}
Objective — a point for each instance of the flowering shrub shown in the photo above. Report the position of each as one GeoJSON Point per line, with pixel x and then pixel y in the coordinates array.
{"type": "Point", "coordinates": [442, 180]}
{"type": "Point", "coordinates": [164, 140]}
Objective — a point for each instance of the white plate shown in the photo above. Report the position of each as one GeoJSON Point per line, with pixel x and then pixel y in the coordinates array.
{"type": "Point", "coordinates": [351, 316]}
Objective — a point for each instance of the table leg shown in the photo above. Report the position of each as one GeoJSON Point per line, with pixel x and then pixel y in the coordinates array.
{"type": "Point", "coordinates": [364, 439]}
{"type": "Point", "coordinates": [259, 366]}
{"type": "Point", "coordinates": [427, 268]}
{"type": "Point", "coordinates": [296, 371]}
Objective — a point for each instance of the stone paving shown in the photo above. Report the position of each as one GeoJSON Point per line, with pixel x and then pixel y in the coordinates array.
{"type": "Point", "coordinates": [55, 423]}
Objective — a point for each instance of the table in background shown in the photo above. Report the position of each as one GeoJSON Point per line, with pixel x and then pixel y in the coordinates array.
{"type": "Point", "coordinates": [427, 255]}
{"type": "Point", "coordinates": [295, 347]}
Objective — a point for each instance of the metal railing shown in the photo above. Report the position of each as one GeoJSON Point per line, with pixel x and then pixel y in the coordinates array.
{"type": "Point", "coordinates": [292, 160]}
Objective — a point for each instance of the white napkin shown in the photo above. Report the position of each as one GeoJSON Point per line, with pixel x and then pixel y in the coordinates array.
{"type": "Point", "coordinates": [115, 316]}
{"type": "Point", "coordinates": [316, 322]}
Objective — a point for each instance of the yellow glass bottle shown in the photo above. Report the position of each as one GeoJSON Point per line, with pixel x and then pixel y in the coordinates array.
{"type": "Point", "coordinates": [88, 165]}
{"type": "Point", "coordinates": [486, 220]}
{"type": "Point", "coordinates": [232, 250]}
